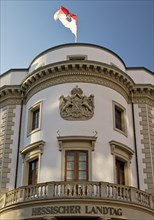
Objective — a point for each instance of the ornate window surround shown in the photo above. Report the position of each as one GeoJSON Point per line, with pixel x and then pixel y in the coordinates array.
{"type": "Point", "coordinates": [30, 153]}
{"type": "Point", "coordinates": [76, 143]}
{"type": "Point", "coordinates": [123, 153]}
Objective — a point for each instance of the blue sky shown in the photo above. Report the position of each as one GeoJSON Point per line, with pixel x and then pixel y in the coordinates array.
{"type": "Point", "coordinates": [124, 26]}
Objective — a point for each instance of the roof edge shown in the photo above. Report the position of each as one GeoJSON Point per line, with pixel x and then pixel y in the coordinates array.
{"type": "Point", "coordinates": [76, 45]}
{"type": "Point", "coordinates": [140, 68]}
{"type": "Point", "coordinates": [13, 69]}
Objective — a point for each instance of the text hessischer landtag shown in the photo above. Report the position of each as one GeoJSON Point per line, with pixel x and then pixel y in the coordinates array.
{"type": "Point", "coordinates": [70, 209]}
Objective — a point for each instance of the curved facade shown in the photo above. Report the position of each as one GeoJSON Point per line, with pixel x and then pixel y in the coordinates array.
{"type": "Point", "coordinates": [77, 137]}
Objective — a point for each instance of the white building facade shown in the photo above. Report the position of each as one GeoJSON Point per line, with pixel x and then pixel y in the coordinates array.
{"type": "Point", "coordinates": [77, 137]}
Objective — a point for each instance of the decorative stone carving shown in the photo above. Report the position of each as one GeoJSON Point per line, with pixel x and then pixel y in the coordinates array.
{"type": "Point", "coordinates": [77, 106]}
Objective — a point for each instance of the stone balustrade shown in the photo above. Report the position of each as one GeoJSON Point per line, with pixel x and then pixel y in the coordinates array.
{"type": "Point", "coordinates": [85, 190]}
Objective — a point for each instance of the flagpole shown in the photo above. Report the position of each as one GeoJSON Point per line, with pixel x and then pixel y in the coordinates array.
{"type": "Point", "coordinates": [76, 36]}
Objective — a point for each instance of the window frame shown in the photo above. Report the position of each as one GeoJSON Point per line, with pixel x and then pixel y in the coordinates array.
{"type": "Point", "coordinates": [124, 154]}
{"type": "Point", "coordinates": [78, 143]}
{"type": "Point", "coordinates": [76, 164]}
{"type": "Point", "coordinates": [31, 111]}
{"type": "Point", "coordinates": [31, 179]}
{"type": "Point", "coordinates": [30, 153]}
{"type": "Point", "coordinates": [121, 109]}
{"type": "Point", "coordinates": [118, 172]}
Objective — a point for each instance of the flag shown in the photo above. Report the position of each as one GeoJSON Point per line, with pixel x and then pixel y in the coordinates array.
{"type": "Point", "coordinates": [68, 19]}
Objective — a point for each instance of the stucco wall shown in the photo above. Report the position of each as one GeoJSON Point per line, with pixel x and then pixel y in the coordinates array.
{"type": "Point", "coordinates": [102, 122]}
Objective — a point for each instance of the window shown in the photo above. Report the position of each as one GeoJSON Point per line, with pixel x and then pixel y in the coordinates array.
{"type": "Point", "coordinates": [77, 57]}
{"type": "Point", "coordinates": [35, 119]}
{"type": "Point", "coordinates": [34, 122]}
{"type": "Point", "coordinates": [33, 172]}
{"type": "Point", "coordinates": [120, 171]}
{"type": "Point", "coordinates": [31, 155]}
{"type": "Point", "coordinates": [122, 156]}
{"type": "Point", "coordinates": [76, 165]}
{"type": "Point", "coordinates": [76, 157]}
{"type": "Point", "coordinates": [119, 118]}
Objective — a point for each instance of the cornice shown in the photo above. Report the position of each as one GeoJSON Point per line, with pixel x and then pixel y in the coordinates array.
{"type": "Point", "coordinates": [77, 71]}
{"type": "Point", "coordinates": [33, 146]}
{"type": "Point", "coordinates": [10, 95]}
{"type": "Point", "coordinates": [143, 94]}
{"type": "Point", "coordinates": [83, 71]}
{"type": "Point", "coordinates": [116, 144]}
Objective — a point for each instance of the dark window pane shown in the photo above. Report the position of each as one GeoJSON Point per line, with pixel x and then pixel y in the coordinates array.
{"type": "Point", "coordinates": [82, 175]}
{"type": "Point", "coordinates": [120, 172]}
{"type": "Point", "coordinates": [33, 172]}
{"type": "Point", "coordinates": [118, 118]}
{"type": "Point", "coordinates": [70, 175]}
{"type": "Point", "coordinates": [35, 119]}
{"type": "Point", "coordinates": [82, 156]}
{"type": "Point", "coordinates": [82, 165]}
{"type": "Point", "coordinates": [70, 165]}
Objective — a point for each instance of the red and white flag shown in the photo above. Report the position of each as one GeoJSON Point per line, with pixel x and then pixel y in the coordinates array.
{"type": "Point", "coordinates": [68, 19]}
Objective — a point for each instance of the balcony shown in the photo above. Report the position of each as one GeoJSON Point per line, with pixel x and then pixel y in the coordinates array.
{"type": "Point", "coordinates": [77, 190]}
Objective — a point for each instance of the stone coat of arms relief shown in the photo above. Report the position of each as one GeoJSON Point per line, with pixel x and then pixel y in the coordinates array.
{"type": "Point", "coordinates": [77, 106]}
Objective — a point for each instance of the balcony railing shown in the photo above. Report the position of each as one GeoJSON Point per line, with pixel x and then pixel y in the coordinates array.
{"type": "Point", "coordinates": [85, 190]}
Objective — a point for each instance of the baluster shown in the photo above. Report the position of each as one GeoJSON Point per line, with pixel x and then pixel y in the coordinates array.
{"type": "Point", "coordinates": [108, 191]}
{"type": "Point", "coordinates": [77, 189]}
{"type": "Point", "coordinates": [14, 196]}
{"type": "Point", "coordinates": [28, 192]}
{"type": "Point", "coordinates": [120, 192]}
{"type": "Point", "coordinates": [116, 192]}
{"type": "Point", "coordinates": [126, 193]}
{"type": "Point", "coordinates": [84, 190]}
{"type": "Point", "coordinates": [113, 191]}
{"type": "Point", "coordinates": [36, 192]}
{"type": "Point", "coordinates": [25, 194]}
{"type": "Point", "coordinates": [56, 189]}
{"type": "Point", "coordinates": [97, 190]}
{"type": "Point", "coordinates": [71, 189]}
{"type": "Point", "coordinates": [41, 190]}
{"type": "Point", "coordinates": [93, 190]}
{"type": "Point", "coordinates": [31, 191]}
{"type": "Point", "coordinates": [65, 189]}
{"type": "Point", "coordinates": [88, 190]}
{"type": "Point", "coordinates": [60, 189]}
{"type": "Point", "coordinates": [45, 190]}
